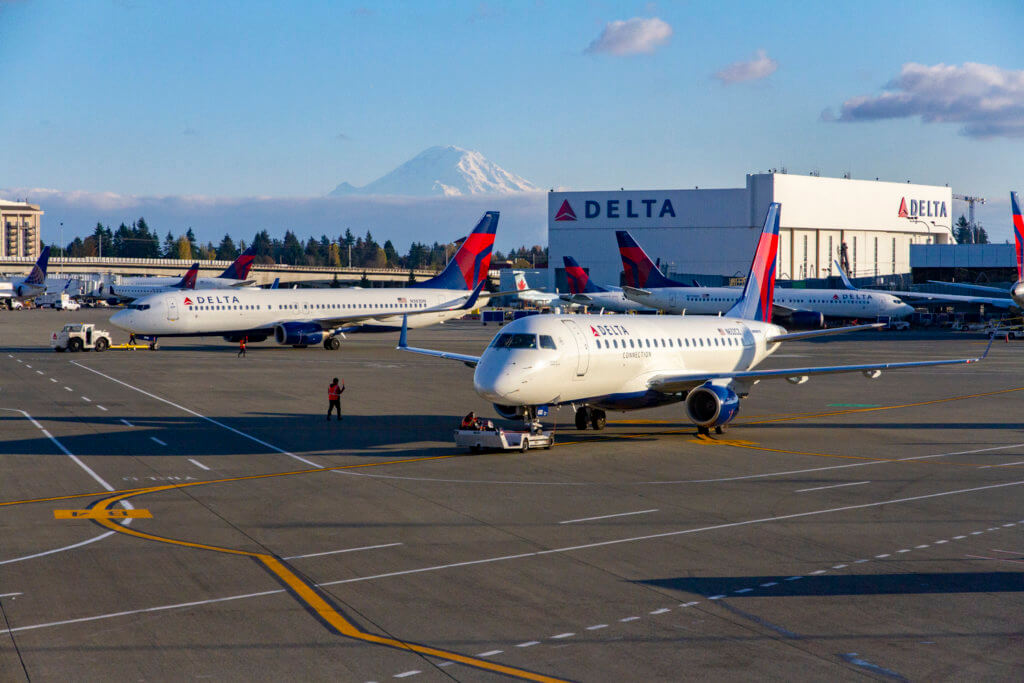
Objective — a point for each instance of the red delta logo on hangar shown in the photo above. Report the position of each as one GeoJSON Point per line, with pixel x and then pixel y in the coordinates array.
{"type": "Point", "coordinates": [618, 208]}
{"type": "Point", "coordinates": [921, 208]}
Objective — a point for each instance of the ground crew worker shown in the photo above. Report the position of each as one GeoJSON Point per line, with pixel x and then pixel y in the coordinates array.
{"type": "Point", "coordinates": [469, 422]}
{"type": "Point", "coordinates": [131, 339]}
{"type": "Point", "coordinates": [241, 346]}
{"type": "Point", "coordinates": [334, 393]}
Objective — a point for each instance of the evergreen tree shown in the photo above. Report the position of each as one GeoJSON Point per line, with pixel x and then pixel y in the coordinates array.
{"type": "Point", "coordinates": [962, 231]}
{"type": "Point", "coordinates": [364, 281]}
{"type": "Point", "coordinates": [227, 251]}
{"type": "Point", "coordinates": [170, 246]}
{"type": "Point", "coordinates": [191, 237]}
{"type": "Point", "coordinates": [981, 237]}
{"type": "Point", "coordinates": [412, 277]}
{"type": "Point", "coordinates": [293, 252]}
{"type": "Point", "coordinates": [390, 255]}
{"type": "Point", "coordinates": [264, 247]}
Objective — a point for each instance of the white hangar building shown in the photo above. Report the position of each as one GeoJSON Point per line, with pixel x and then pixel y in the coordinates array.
{"type": "Point", "coordinates": [714, 231]}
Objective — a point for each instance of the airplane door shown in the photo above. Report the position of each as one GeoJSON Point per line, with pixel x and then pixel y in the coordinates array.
{"type": "Point", "coordinates": [172, 309]}
{"type": "Point", "coordinates": [582, 347]}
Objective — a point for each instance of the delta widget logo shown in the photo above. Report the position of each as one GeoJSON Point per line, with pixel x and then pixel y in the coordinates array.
{"type": "Point", "coordinates": [565, 212]}
{"type": "Point", "coordinates": [188, 302]}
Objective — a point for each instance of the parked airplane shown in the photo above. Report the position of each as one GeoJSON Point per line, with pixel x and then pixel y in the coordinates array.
{"type": "Point", "coordinates": [799, 307]}
{"type": "Point", "coordinates": [585, 292]}
{"type": "Point", "coordinates": [1016, 292]}
{"type": "Point", "coordinates": [233, 276]}
{"type": "Point", "coordinates": [594, 364]}
{"type": "Point", "coordinates": [33, 284]}
{"type": "Point", "coordinates": [301, 317]}
{"type": "Point", "coordinates": [525, 293]}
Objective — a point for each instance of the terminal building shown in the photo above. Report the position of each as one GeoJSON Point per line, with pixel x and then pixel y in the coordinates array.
{"type": "Point", "coordinates": [19, 223]}
{"type": "Point", "coordinates": [710, 234]}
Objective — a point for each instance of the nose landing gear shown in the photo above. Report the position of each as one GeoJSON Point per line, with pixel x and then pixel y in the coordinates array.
{"type": "Point", "coordinates": [595, 417]}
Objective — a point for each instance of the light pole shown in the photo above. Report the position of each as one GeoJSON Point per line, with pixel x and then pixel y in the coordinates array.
{"type": "Point", "coordinates": [60, 238]}
{"type": "Point", "coordinates": [927, 227]}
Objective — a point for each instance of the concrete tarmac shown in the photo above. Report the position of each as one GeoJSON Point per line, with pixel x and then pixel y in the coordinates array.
{"type": "Point", "coordinates": [221, 528]}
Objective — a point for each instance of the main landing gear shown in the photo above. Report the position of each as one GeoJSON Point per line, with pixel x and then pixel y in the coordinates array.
{"type": "Point", "coordinates": [706, 431]}
{"type": "Point", "coordinates": [332, 343]}
{"type": "Point", "coordinates": [594, 417]}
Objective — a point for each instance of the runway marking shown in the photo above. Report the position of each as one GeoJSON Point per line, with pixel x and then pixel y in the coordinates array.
{"type": "Point", "coordinates": [833, 486]}
{"type": "Point", "coordinates": [689, 604]}
{"type": "Point", "coordinates": [53, 379]}
{"type": "Point", "coordinates": [40, 372]}
{"type": "Point", "coordinates": [769, 584]}
{"type": "Point", "coordinates": [940, 542]}
{"type": "Point", "coordinates": [597, 627]}
{"type": "Point", "coordinates": [923, 545]}
{"type": "Point", "coordinates": [741, 590]}
{"type": "Point", "coordinates": [958, 538]}
{"type": "Point", "coordinates": [10, 595]}
{"type": "Point", "coordinates": [344, 550]}
{"type": "Point", "coordinates": [529, 643]}
{"type": "Point", "coordinates": [68, 389]}
{"type": "Point", "coordinates": [101, 407]}
{"type": "Point", "coordinates": [87, 399]}
{"type": "Point", "coordinates": [102, 514]}
{"type": "Point", "coordinates": [201, 416]}
{"type": "Point", "coordinates": [815, 573]}
{"type": "Point", "coordinates": [490, 653]}
{"type": "Point", "coordinates": [995, 559]}
{"type": "Point", "coordinates": [839, 566]}
{"type": "Point", "coordinates": [628, 619]}
{"type": "Point", "coordinates": [660, 611]}
{"type": "Point", "coordinates": [794, 578]}
{"type": "Point", "coordinates": [560, 636]}
{"type": "Point", "coordinates": [58, 550]}
{"type": "Point", "coordinates": [198, 464]}
{"type": "Point", "coordinates": [27, 365]}
{"type": "Point", "coordinates": [620, 514]}
{"type": "Point", "coordinates": [162, 443]}
{"type": "Point", "coordinates": [882, 556]}
{"type": "Point", "coordinates": [127, 422]}
{"type": "Point", "coordinates": [407, 673]}
{"type": "Point", "coordinates": [715, 597]}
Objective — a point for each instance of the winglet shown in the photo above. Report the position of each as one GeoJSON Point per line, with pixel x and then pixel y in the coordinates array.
{"type": "Point", "coordinates": [403, 338]}
{"type": "Point", "coordinates": [842, 274]}
{"type": "Point", "coordinates": [471, 301]}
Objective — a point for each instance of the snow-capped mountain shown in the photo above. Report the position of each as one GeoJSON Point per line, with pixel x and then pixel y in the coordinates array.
{"type": "Point", "coordinates": [442, 171]}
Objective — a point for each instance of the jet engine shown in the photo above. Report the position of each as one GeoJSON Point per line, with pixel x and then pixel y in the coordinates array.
{"type": "Point", "coordinates": [807, 320]}
{"type": "Point", "coordinates": [298, 334]}
{"type": "Point", "coordinates": [20, 290]}
{"type": "Point", "coordinates": [509, 412]}
{"type": "Point", "coordinates": [710, 405]}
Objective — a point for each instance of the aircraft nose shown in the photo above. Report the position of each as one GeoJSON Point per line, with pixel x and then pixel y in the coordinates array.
{"type": "Point", "coordinates": [904, 310]}
{"type": "Point", "coordinates": [121, 319]}
{"type": "Point", "coordinates": [496, 382]}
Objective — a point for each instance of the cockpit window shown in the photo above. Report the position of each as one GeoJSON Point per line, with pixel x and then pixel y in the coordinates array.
{"type": "Point", "coordinates": [515, 341]}
{"type": "Point", "coordinates": [546, 342]}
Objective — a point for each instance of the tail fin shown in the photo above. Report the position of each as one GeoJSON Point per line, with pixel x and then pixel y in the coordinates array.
{"type": "Point", "coordinates": [1018, 233]}
{"type": "Point", "coordinates": [579, 280]}
{"type": "Point", "coordinates": [239, 269]}
{"type": "Point", "coordinates": [38, 274]}
{"type": "Point", "coordinates": [641, 271]}
{"type": "Point", "coordinates": [843, 275]}
{"type": "Point", "coordinates": [519, 280]}
{"type": "Point", "coordinates": [759, 292]}
{"type": "Point", "coordinates": [276, 283]}
{"type": "Point", "coordinates": [189, 281]}
{"type": "Point", "coordinates": [471, 262]}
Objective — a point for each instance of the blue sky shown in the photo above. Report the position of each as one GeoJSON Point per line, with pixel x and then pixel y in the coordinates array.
{"type": "Point", "coordinates": [237, 99]}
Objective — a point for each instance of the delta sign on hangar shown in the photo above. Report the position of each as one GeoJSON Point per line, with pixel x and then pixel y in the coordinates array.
{"type": "Point", "coordinates": [714, 231]}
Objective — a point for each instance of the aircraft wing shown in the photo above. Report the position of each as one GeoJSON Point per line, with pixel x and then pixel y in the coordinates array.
{"type": "Point", "coordinates": [964, 285]}
{"type": "Point", "coordinates": [791, 336]}
{"type": "Point", "coordinates": [242, 283]}
{"type": "Point", "coordinates": [463, 303]}
{"type": "Point", "coordinates": [635, 291]}
{"type": "Point", "coordinates": [669, 383]}
{"type": "Point", "coordinates": [403, 345]}
{"type": "Point", "coordinates": [1000, 302]}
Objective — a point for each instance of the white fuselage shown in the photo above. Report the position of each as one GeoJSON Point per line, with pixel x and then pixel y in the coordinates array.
{"type": "Point", "coordinates": [614, 300]}
{"type": "Point", "coordinates": [217, 312]}
{"type": "Point", "coordinates": [609, 362]}
{"type": "Point", "coordinates": [832, 303]}
{"type": "Point", "coordinates": [19, 290]}
{"type": "Point", "coordinates": [138, 287]}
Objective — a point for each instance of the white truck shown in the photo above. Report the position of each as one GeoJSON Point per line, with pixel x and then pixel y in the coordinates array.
{"type": "Point", "coordinates": [499, 439]}
{"type": "Point", "coordinates": [80, 337]}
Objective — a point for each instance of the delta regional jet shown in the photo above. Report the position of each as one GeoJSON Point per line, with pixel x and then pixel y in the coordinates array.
{"type": "Point", "coordinates": [32, 285]}
{"type": "Point", "coordinates": [302, 317]}
{"type": "Point", "coordinates": [803, 308]}
{"type": "Point", "coordinates": [233, 276]}
{"type": "Point", "coordinates": [585, 292]}
{"type": "Point", "coordinates": [595, 363]}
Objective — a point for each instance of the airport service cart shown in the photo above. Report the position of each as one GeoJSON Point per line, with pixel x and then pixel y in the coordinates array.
{"type": "Point", "coordinates": [502, 440]}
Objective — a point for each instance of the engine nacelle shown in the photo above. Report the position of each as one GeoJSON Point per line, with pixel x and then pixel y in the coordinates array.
{"type": "Point", "coordinates": [20, 290]}
{"type": "Point", "coordinates": [807, 320]}
{"type": "Point", "coordinates": [298, 334]}
{"type": "Point", "coordinates": [710, 405]}
{"type": "Point", "coordinates": [509, 412]}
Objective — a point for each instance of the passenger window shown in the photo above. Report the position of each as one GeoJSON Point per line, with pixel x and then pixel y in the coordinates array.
{"type": "Point", "coordinates": [546, 342]}
{"type": "Point", "coordinates": [615, 343]}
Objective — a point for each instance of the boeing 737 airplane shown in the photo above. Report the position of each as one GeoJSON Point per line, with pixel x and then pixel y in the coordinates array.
{"type": "Point", "coordinates": [301, 317]}
{"type": "Point", "coordinates": [594, 363]}
{"type": "Point", "coordinates": [585, 292]}
{"type": "Point", "coordinates": [33, 284]}
{"type": "Point", "coordinates": [233, 276]}
{"type": "Point", "coordinates": [800, 307]}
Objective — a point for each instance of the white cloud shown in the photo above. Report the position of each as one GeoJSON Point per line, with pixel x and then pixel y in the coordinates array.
{"type": "Point", "coordinates": [761, 66]}
{"type": "Point", "coordinates": [631, 37]}
{"type": "Point", "coordinates": [987, 100]}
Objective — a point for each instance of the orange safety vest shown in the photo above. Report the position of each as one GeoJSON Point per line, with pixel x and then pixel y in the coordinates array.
{"type": "Point", "coordinates": [334, 392]}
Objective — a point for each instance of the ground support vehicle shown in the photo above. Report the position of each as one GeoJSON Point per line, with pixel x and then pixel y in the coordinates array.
{"type": "Point", "coordinates": [80, 337]}
{"type": "Point", "coordinates": [503, 440]}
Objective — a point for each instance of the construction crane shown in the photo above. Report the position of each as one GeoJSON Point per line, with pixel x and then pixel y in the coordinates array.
{"type": "Point", "coordinates": [971, 201]}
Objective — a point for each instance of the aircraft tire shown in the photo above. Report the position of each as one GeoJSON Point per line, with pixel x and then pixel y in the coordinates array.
{"type": "Point", "coordinates": [720, 429]}
{"type": "Point", "coordinates": [703, 431]}
{"type": "Point", "coordinates": [598, 418]}
{"type": "Point", "coordinates": [332, 343]}
{"type": "Point", "coordinates": [582, 417]}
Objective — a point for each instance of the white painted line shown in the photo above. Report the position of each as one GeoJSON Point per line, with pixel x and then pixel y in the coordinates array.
{"type": "Point", "coordinates": [834, 486]}
{"type": "Point", "coordinates": [203, 417]}
{"type": "Point", "coordinates": [10, 355]}
{"type": "Point", "coordinates": [621, 514]}
{"type": "Point", "coordinates": [923, 545]}
{"type": "Point", "coordinates": [345, 550]}
{"type": "Point", "coordinates": [819, 571]}
{"type": "Point", "coordinates": [1008, 464]}
{"type": "Point", "coordinates": [743, 590]}
{"type": "Point", "coordinates": [53, 379]}
{"type": "Point", "coordinates": [597, 627]}
{"type": "Point", "coordinates": [903, 550]}
{"type": "Point", "coordinates": [975, 533]}
{"type": "Point", "coordinates": [562, 635]}
{"type": "Point", "coordinates": [127, 422]}
{"type": "Point", "coordinates": [489, 653]}
{"type": "Point", "coordinates": [689, 604]}
{"type": "Point", "coordinates": [448, 663]}
{"type": "Point", "coordinates": [860, 561]}
{"type": "Point", "coordinates": [882, 556]}
{"type": "Point", "coordinates": [40, 372]}
{"type": "Point", "coordinates": [624, 620]}
{"type": "Point", "coordinates": [993, 528]}
{"type": "Point", "coordinates": [87, 399]}
{"type": "Point", "coordinates": [715, 597]}
{"type": "Point", "coordinates": [940, 542]}
{"type": "Point", "coordinates": [101, 407]}
{"type": "Point", "coordinates": [794, 578]}
{"type": "Point", "coordinates": [769, 584]}
{"type": "Point", "coordinates": [1009, 525]}
{"type": "Point", "coordinates": [162, 443]}
{"type": "Point", "coordinates": [9, 595]}
{"type": "Point", "coordinates": [959, 538]}
{"type": "Point", "coordinates": [27, 365]}
{"type": "Point", "coordinates": [660, 611]}
{"type": "Point", "coordinates": [407, 673]}
{"type": "Point", "coordinates": [529, 643]}
{"type": "Point", "coordinates": [839, 566]}
{"type": "Point", "coordinates": [198, 464]}
{"type": "Point", "coordinates": [59, 550]}
{"type": "Point", "coordinates": [68, 389]}
{"type": "Point", "coordinates": [1008, 552]}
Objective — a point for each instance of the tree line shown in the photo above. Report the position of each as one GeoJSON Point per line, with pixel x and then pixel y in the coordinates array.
{"type": "Point", "coordinates": [138, 240]}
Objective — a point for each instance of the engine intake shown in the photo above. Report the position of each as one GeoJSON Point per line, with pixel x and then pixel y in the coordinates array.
{"type": "Point", "coordinates": [807, 320]}
{"type": "Point", "coordinates": [509, 412]}
{"type": "Point", "coordinates": [298, 334]}
{"type": "Point", "coordinates": [710, 405]}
